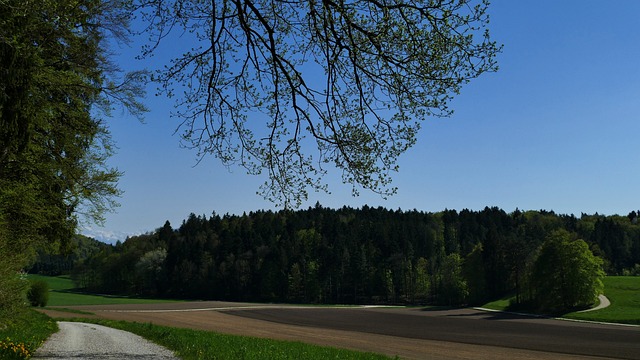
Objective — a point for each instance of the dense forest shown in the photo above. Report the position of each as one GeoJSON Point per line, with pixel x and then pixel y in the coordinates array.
{"type": "Point", "coordinates": [367, 255]}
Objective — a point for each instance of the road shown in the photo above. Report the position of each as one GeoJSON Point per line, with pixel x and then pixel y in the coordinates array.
{"type": "Point", "coordinates": [410, 333]}
{"type": "Point", "coordinates": [90, 341]}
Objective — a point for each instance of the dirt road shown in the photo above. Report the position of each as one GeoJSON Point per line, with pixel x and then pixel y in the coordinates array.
{"type": "Point", "coordinates": [408, 333]}
{"type": "Point", "coordinates": [90, 341]}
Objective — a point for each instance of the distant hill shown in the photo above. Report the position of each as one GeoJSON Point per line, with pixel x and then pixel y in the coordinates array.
{"type": "Point", "coordinates": [55, 263]}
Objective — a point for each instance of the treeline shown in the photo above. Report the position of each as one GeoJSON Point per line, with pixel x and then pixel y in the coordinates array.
{"type": "Point", "coordinates": [367, 255]}
{"type": "Point", "coordinates": [79, 249]}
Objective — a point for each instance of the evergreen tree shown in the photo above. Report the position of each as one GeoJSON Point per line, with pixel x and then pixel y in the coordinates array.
{"type": "Point", "coordinates": [474, 273]}
{"type": "Point", "coordinates": [347, 255]}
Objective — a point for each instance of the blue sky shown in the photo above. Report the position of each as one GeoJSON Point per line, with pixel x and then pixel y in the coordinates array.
{"type": "Point", "coordinates": [555, 128]}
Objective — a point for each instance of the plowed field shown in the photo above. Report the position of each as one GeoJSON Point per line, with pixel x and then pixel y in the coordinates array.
{"type": "Point", "coordinates": [409, 333]}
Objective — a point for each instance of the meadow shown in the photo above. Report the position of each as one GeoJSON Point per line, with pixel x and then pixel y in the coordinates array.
{"type": "Point", "coordinates": [622, 291]}
{"type": "Point", "coordinates": [63, 293]}
{"type": "Point", "coordinates": [624, 294]}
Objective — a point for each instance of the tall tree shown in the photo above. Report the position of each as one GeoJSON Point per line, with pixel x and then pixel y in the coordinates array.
{"type": "Point", "coordinates": [566, 274]}
{"type": "Point", "coordinates": [452, 287]}
{"type": "Point", "coordinates": [474, 273]}
{"type": "Point", "coordinates": [55, 85]}
{"type": "Point", "coordinates": [352, 78]}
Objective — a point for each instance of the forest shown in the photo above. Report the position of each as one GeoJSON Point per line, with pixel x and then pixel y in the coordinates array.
{"type": "Point", "coordinates": [353, 256]}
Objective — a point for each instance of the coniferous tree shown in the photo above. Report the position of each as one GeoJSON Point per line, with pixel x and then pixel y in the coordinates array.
{"type": "Point", "coordinates": [336, 256]}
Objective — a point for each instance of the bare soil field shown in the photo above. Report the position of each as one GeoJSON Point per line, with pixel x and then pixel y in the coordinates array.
{"type": "Point", "coordinates": [410, 333]}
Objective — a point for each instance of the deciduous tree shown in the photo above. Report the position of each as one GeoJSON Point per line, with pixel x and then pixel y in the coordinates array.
{"type": "Point", "coordinates": [451, 283]}
{"type": "Point", "coordinates": [260, 81]}
{"type": "Point", "coordinates": [566, 274]}
{"type": "Point", "coordinates": [56, 83]}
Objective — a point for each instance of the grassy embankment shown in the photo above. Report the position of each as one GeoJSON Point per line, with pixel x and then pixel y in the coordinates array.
{"type": "Point", "coordinates": [23, 334]}
{"type": "Point", "coordinates": [187, 344]}
{"type": "Point", "coordinates": [197, 344]}
{"type": "Point", "coordinates": [622, 291]}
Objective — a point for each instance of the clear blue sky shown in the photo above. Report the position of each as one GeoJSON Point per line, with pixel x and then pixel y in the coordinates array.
{"type": "Point", "coordinates": [556, 128]}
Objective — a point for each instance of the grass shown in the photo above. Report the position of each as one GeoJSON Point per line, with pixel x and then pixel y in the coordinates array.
{"type": "Point", "coordinates": [63, 293]}
{"type": "Point", "coordinates": [622, 291]}
{"type": "Point", "coordinates": [62, 282]}
{"type": "Point", "coordinates": [204, 345]}
{"type": "Point", "coordinates": [500, 304]}
{"type": "Point", "coordinates": [624, 294]}
{"type": "Point", "coordinates": [20, 337]}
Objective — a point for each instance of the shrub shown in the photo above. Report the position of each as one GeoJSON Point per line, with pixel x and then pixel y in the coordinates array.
{"type": "Point", "coordinates": [632, 271]}
{"type": "Point", "coordinates": [38, 294]}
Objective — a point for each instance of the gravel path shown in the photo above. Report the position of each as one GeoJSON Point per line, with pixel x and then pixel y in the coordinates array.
{"type": "Point", "coordinates": [604, 302]}
{"type": "Point", "coordinates": [88, 341]}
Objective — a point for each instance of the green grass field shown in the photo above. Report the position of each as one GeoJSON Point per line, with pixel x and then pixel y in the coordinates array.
{"type": "Point", "coordinates": [62, 293]}
{"type": "Point", "coordinates": [624, 294]}
{"type": "Point", "coordinates": [500, 304]}
{"type": "Point", "coordinates": [622, 291]}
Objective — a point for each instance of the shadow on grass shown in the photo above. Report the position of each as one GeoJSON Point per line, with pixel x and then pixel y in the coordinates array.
{"type": "Point", "coordinates": [68, 310]}
{"type": "Point", "coordinates": [441, 308]}
{"type": "Point", "coordinates": [78, 291]}
{"type": "Point", "coordinates": [503, 315]}
{"type": "Point", "coordinates": [532, 310]}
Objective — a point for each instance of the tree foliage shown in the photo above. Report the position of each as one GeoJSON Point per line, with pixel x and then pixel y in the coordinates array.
{"type": "Point", "coordinates": [38, 293]}
{"type": "Point", "coordinates": [452, 285]}
{"type": "Point", "coordinates": [566, 274]}
{"type": "Point", "coordinates": [260, 81]}
{"type": "Point", "coordinates": [473, 270]}
{"type": "Point", "coordinates": [367, 255]}
{"type": "Point", "coordinates": [56, 84]}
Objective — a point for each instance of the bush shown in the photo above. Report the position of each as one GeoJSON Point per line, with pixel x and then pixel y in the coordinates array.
{"type": "Point", "coordinates": [38, 294]}
{"type": "Point", "coordinates": [632, 271]}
